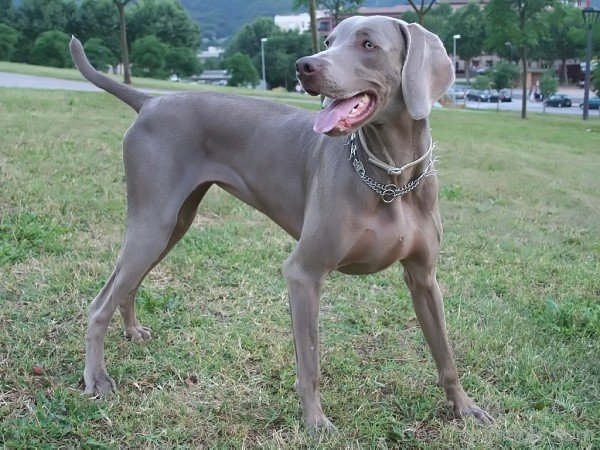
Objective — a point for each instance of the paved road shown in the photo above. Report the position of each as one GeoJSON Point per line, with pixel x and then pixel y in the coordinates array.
{"type": "Point", "coordinates": [34, 82]}
{"type": "Point", "coordinates": [14, 80]}
{"type": "Point", "coordinates": [17, 80]}
{"type": "Point", "coordinates": [532, 107]}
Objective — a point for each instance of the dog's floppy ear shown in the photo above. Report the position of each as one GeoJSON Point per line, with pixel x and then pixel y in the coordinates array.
{"type": "Point", "coordinates": [427, 72]}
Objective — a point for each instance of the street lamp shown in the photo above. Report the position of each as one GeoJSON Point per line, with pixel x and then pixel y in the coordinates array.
{"type": "Point", "coordinates": [262, 53]}
{"type": "Point", "coordinates": [509, 45]}
{"type": "Point", "coordinates": [454, 38]}
{"type": "Point", "coordinates": [590, 17]}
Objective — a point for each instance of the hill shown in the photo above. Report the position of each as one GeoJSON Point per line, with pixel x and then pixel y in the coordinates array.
{"type": "Point", "coordinates": [223, 18]}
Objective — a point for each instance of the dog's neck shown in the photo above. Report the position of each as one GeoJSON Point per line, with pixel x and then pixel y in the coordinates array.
{"type": "Point", "coordinates": [399, 143]}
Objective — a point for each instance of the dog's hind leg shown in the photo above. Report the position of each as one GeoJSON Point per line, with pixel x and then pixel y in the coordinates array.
{"type": "Point", "coordinates": [131, 327]}
{"type": "Point", "coordinates": [150, 235]}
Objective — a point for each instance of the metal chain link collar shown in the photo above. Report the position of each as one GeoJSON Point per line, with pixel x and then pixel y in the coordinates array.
{"type": "Point", "coordinates": [387, 192]}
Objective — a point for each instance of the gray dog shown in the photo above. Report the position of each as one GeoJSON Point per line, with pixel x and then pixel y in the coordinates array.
{"type": "Point", "coordinates": [354, 185]}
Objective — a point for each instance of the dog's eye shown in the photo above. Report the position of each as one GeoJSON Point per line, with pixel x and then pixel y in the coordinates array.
{"type": "Point", "coordinates": [326, 43]}
{"type": "Point", "coordinates": [368, 45]}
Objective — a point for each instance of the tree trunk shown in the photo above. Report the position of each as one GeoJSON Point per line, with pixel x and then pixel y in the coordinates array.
{"type": "Point", "coordinates": [124, 50]}
{"type": "Point", "coordinates": [524, 84]}
{"type": "Point", "coordinates": [312, 10]}
{"type": "Point", "coordinates": [468, 70]}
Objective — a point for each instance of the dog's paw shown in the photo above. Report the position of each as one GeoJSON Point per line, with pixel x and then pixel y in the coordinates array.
{"type": "Point", "coordinates": [99, 385]}
{"type": "Point", "coordinates": [138, 333]}
{"type": "Point", "coordinates": [470, 409]}
{"type": "Point", "coordinates": [319, 425]}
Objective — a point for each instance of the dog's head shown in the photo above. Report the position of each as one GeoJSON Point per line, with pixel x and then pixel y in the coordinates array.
{"type": "Point", "coordinates": [373, 66]}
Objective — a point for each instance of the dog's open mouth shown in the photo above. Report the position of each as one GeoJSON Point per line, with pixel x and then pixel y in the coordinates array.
{"type": "Point", "coordinates": [340, 116]}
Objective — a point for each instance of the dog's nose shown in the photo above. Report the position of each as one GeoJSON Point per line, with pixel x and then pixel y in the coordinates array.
{"type": "Point", "coordinates": [308, 65]}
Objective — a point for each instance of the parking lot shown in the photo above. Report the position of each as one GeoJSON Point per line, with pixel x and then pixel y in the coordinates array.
{"type": "Point", "coordinates": [574, 93]}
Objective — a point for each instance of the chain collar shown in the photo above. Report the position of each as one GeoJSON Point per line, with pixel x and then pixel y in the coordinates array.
{"type": "Point", "coordinates": [388, 192]}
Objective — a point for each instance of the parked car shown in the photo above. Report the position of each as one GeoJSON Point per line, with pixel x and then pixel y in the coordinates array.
{"type": "Point", "coordinates": [459, 92]}
{"type": "Point", "coordinates": [504, 95]}
{"type": "Point", "coordinates": [593, 103]}
{"type": "Point", "coordinates": [479, 96]}
{"type": "Point", "coordinates": [559, 100]}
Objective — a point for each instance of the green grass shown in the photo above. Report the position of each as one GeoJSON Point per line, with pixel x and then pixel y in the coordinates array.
{"type": "Point", "coordinates": [519, 272]}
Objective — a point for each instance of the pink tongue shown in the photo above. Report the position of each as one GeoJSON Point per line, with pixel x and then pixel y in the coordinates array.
{"type": "Point", "coordinates": [338, 109]}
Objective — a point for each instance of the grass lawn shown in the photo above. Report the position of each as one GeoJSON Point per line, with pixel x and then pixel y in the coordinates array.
{"type": "Point", "coordinates": [519, 271]}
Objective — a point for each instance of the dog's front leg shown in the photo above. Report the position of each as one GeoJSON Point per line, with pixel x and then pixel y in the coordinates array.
{"type": "Point", "coordinates": [304, 286]}
{"type": "Point", "coordinates": [429, 308]}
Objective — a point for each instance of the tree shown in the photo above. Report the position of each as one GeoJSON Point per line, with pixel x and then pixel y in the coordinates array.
{"type": "Point", "coordinates": [148, 55]}
{"type": "Point", "coordinates": [421, 8]}
{"type": "Point", "coordinates": [596, 80]}
{"type": "Point", "coordinates": [242, 71]}
{"type": "Point", "coordinates": [165, 19]}
{"type": "Point", "coordinates": [522, 22]}
{"type": "Point", "coordinates": [247, 39]}
{"type": "Point", "coordinates": [8, 41]}
{"type": "Point", "coordinates": [121, 4]}
{"type": "Point", "coordinates": [8, 12]}
{"type": "Point", "coordinates": [51, 48]}
{"type": "Point", "coordinates": [99, 55]}
{"type": "Point", "coordinates": [564, 38]}
{"type": "Point", "coordinates": [282, 49]}
{"type": "Point", "coordinates": [182, 61]}
{"type": "Point", "coordinates": [336, 7]}
{"type": "Point", "coordinates": [312, 12]}
{"type": "Point", "coordinates": [98, 19]}
{"type": "Point", "coordinates": [33, 17]}
{"type": "Point", "coordinates": [480, 83]}
{"type": "Point", "coordinates": [548, 86]}
{"type": "Point", "coordinates": [503, 76]}
{"type": "Point", "coordinates": [469, 22]}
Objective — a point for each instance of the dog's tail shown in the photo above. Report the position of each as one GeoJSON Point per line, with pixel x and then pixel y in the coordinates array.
{"type": "Point", "coordinates": [127, 94]}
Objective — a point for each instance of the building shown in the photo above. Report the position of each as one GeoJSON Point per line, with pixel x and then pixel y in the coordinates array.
{"type": "Point", "coordinates": [297, 22]}
{"type": "Point", "coordinates": [211, 52]}
{"type": "Point", "coordinates": [218, 77]}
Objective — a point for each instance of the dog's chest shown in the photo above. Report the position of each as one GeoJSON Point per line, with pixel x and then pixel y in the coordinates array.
{"type": "Point", "coordinates": [380, 240]}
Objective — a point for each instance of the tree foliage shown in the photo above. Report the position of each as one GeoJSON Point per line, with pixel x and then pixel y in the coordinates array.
{"type": "Point", "coordinates": [421, 8]}
{"type": "Point", "coordinates": [521, 22]}
{"type": "Point", "coordinates": [148, 55]}
{"type": "Point", "coordinates": [481, 82]}
{"type": "Point", "coordinates": [564, 40]}
{"type": "Point", "coordinates": [51, 48]}
{"type": "Point", "coordinates": [335, 7]}
{"type": "Point", "coordinates": [182, 61]}
{"type": "Point", "coordinates": [282, 49]}
{"type": "Point", "coordinates": [100, 55]}
{"type": "Point", "coordinates": [242, 71]}
{"type": "Point", "coordinates": [98, 19]}
{"type": "Point", "coordinates": [548, 85]}
{"type": "Point", "coordinates": [34, 17]}
{"type": "Point", "coordinates": [247, 39]}
{"type": "Point", "coordinates": [8, 12]}
{"type": "Point", "coordinates": [503, 75]}
{"type": "Point", "coordinates": [596, 79]}
{"type": "Point", "coordinates": [469, 23]}
{"type": "Point", "coordinates": [165, 19]}
{"type": "Point", "coordinates": [8, 41]}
